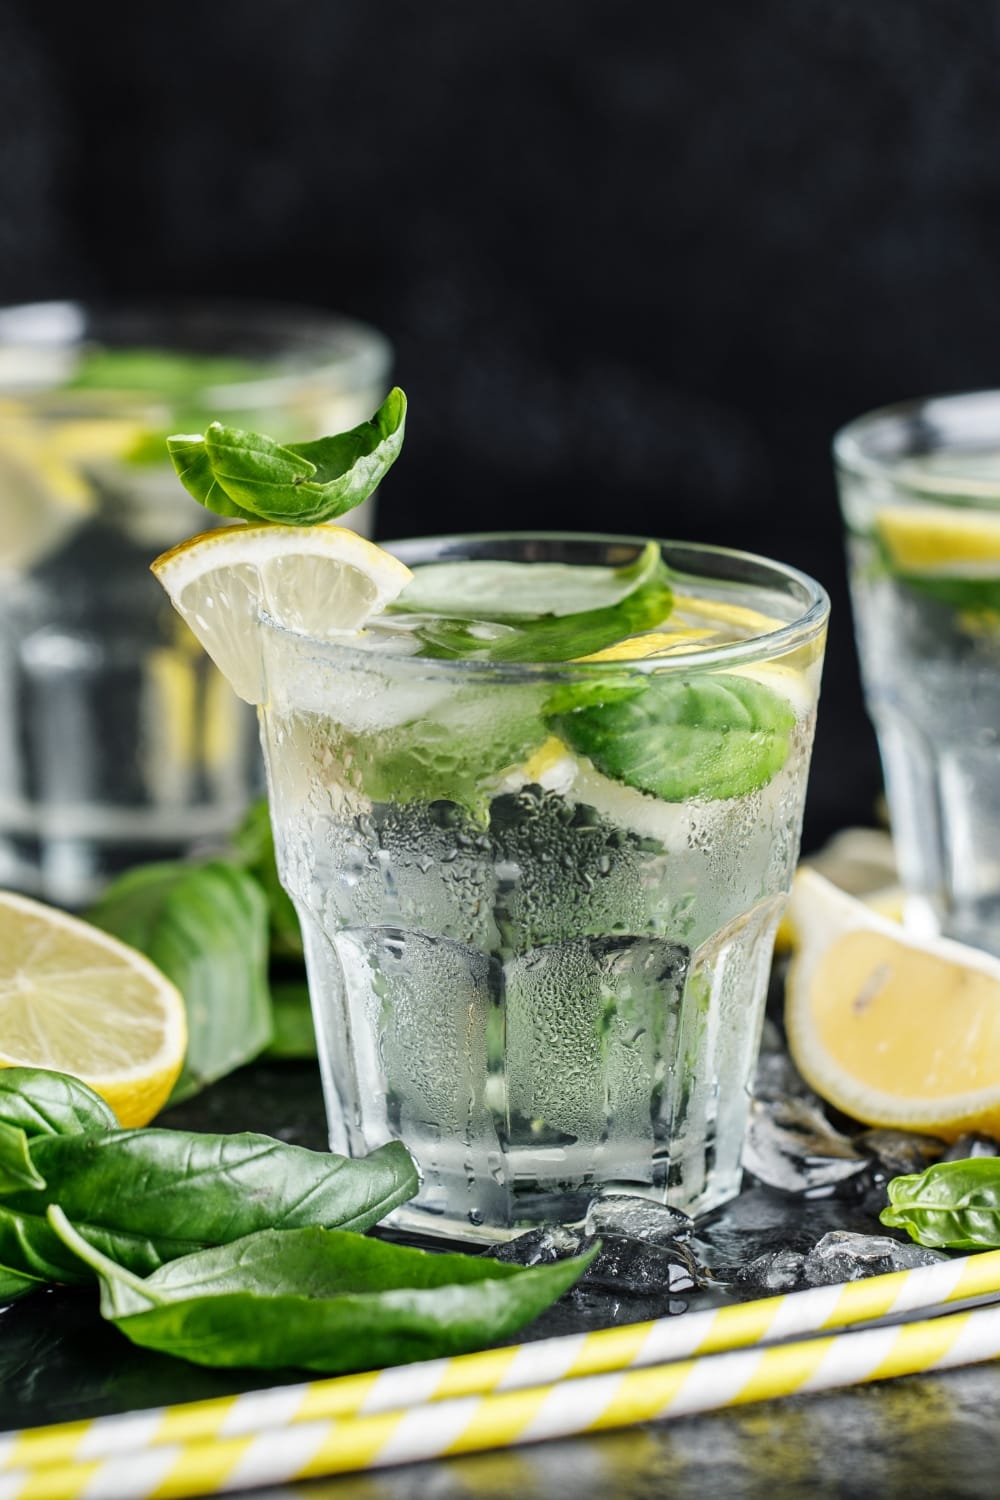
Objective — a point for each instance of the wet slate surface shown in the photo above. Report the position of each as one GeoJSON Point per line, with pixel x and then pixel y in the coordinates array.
{"type": "Point", "coordinates": [921, 1436]}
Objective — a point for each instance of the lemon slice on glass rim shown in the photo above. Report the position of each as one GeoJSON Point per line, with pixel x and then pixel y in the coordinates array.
{"type": "Point", "coordinates": [76, 1000]}
{"type": "Point", "coordinates": [893, 1029]}
{"type": "Point", "coordinates": [321, 581]}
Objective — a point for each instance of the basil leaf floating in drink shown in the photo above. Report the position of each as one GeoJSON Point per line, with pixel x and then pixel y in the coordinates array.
{"type": "Point", "coordinates": [953, 1205]}
{"type": "Point", "coordinates": [206, 927]}
{"type": "Point", "coordinates": [320, 1300]}
{"type": "Point", "coordinates": [250, 476]}
{"type": "Point", "coordinates": [715, 735]}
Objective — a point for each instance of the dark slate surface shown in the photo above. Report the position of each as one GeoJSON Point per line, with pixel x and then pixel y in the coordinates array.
{"type": "Point", "coordinates": [921, 1436]}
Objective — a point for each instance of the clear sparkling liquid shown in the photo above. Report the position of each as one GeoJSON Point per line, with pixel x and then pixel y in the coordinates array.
{"type": "Point", "coordinates": [543, 1001]}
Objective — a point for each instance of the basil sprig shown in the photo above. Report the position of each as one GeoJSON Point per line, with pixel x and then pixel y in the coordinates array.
{"type": "Point", "coordinates": [249, 476]}
{"type": "Point", "coordinates": [953, 1205]}
{"type": "Point", "coordinates": [320, 1299]}
{"type": "Point", "coordinates": [145, 1197]}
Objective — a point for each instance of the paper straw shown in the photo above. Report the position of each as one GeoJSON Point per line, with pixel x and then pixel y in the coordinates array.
{"type": "Point", "coordinates": [636, 1345]}
{"type": "Point", "coordinates": [469, 1424]}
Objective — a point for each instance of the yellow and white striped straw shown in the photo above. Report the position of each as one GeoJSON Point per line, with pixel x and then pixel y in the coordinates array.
{"type": "Point", "coordinates": [468, 1424]}
{"type": "Point", "coordinates": [504, 1370]}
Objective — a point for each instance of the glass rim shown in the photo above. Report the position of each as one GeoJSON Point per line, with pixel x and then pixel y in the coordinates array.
{"type": "Point", "coordinates": [353, 353]}
{"type": "Point", "coordinates": [852, 452]}
{"type": "Point", "coordinates": [764, 647]}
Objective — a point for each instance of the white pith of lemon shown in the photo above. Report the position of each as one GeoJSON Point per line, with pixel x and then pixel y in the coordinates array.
{"type": "Point", "coordinates": [321, 581]}
{"type": "Point", "coordinates": [940, 539]}
{"type": "Point", "coordinates": [892, 1029]}
{"type": "Point", "coordinates": [76, 1000]}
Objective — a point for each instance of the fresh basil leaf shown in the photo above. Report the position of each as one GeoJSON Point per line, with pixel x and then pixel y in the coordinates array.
{"type": "Point", "coordinates": [321, 1300]}
{"type": "Point", "coordinates": [521, 592]}
{"type": "Point", "coordinates": [966, 593]}
{"type": "Point", "coordinates": [549, 638]}
{"type": "Point", "coordinates": [14, 1285]}
{"type": "Point", "coordinates": [248, 474]}
{"type": "Point", "coordinates": [193, 467]}
{"type": "Point", "coordinates": [206, 927]}
{"type": "Point", "coordinates": [294, 1033]}
{"type": "Point", "coordinates": [716, 735]}
{"type": "Point", "coordinates": [170, 373]}
{"type": "Point", "coordinates": [17, 1171]}
{"type": "Point", "coordinates": [41, 1102]}
{"type": "Point", "coordinates": [953, 1205]}
{"type": "Point", "coordinates": [453, 753]}
{"type": "Point", "coordinates": [148, 1196]}
{"type": "Point", "coordinates": [253, 847]}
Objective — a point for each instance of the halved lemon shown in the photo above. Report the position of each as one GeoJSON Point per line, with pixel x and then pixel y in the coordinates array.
{"type": "Point", "coordinates": [937, 539]}
{"type": "Point", "coordinates": [318, 580]}
{"type": "Point", "coordinates": [892, 1029]}
{"type": "Point", "coordinates": [78, 1001]}
{"type": "Point", "coordinates": [862, 862]}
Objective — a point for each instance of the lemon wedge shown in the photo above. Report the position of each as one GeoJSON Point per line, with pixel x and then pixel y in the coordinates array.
{"type": "Point", "coordinates": [78, 1001]}
{"type": "Point", "coordinates": [937, 539]}
{"type": "Point", "coordinates": [654, 643]}
{"type": "Point", "coordinates": [892, 1029]}
{"type": "Point", "coordinates": [741, 618]}
{"type": "Point", "coordinates": [317, 580]}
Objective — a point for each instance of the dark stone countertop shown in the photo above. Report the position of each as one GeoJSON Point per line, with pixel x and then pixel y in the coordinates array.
{"type": "Point", "coordinates": [919, 1436]}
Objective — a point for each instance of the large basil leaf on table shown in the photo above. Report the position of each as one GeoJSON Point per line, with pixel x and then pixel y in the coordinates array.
{"type": "Point", "coordinates": [206, 927]}
{"type": "Point", "coordinates": [148, 1196]}
{"type": "Point", "coordinates": [321, 1300]}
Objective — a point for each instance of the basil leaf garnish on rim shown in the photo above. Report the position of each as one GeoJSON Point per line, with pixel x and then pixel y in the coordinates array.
{"type": "Point", "coordinates": [250, 476]}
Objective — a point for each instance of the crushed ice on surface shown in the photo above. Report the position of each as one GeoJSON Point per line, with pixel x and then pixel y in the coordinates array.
{"type": "Point", "coordinates": [637, 1218]}
{"type": "Point", "coordinates": [791, 1145]}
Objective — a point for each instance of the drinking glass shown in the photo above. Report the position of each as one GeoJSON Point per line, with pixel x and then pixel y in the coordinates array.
{"type": "Point", "coordinates": [546, 983]}
{"type": "Point", "coordinates": [920, 492]}
{"type": "Point", "coordinates": [119, 741]}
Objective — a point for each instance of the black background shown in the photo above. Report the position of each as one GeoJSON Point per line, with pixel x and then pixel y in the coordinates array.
{"type": "Point", "coordinates": [639, 260]}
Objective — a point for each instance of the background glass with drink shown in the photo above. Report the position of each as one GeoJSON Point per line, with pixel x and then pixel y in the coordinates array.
{"type": "Point", "coordinates": [920, 491]}
{"type": "Point", "coordinates": [119, 741]}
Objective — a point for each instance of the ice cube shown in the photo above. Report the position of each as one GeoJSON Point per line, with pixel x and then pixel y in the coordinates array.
{"type": "Point", "coordinates": [638, 1219]}
{"type": "Point", "coordinates": [842, 1256]}
{"type": "Point", "coordinates": [790, 1145]}
{"type": "Point", "coordinates": [643, 1268]}
{"type": "Point", "coordinates": [774, 1271]}
{"type": "Point", "coordinates": [540, 1246]}
{"type": "Point", "coordinates": [900, 1151]}
{"type": "Point", "coordinates": [972, 1144]}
